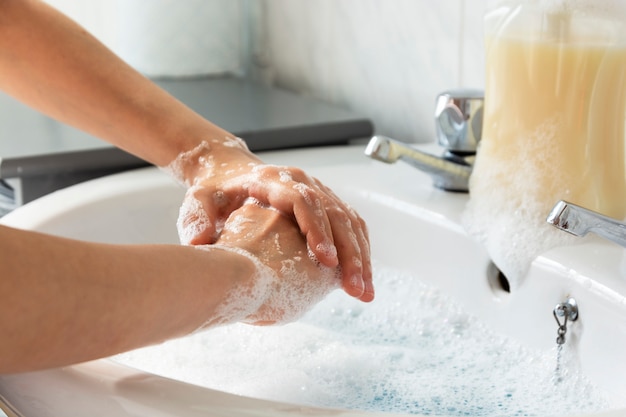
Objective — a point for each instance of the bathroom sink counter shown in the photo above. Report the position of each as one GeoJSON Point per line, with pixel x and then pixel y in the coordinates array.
{"type": "Point", "coordinates": [413, 227]}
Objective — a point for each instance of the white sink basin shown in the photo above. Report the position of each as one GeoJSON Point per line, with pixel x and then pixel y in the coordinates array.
{"type": "Point", "coordinates": [414, 229]}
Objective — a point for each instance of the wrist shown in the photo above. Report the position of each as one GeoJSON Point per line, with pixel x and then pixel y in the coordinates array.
{"type": "Point", "coordinates": [246, 288]}
{"type": "Point", "coordinates": [208, 158]}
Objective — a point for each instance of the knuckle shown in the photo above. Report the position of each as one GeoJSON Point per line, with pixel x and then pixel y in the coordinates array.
{"type": "Point", "coordinates": [340, 215]}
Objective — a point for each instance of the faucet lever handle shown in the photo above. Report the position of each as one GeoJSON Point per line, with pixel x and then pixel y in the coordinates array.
{"type": "Point", "coordinates": [459, 119]}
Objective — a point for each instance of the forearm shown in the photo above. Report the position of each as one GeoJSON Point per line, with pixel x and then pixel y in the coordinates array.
{"type": "Point", "coordinates": [72, 301]}
{"type": "Point", "coordinates": [54, 65]}
{"type": "Point", "coordinates": [50, 63]}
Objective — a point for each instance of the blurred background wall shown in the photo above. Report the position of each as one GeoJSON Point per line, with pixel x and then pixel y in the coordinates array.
{"type": "Point", "coordinates": [385, 59]}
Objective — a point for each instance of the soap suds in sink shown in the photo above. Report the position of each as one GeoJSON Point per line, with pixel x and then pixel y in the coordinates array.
{"type": "Point", "coordinates": [413, 350]}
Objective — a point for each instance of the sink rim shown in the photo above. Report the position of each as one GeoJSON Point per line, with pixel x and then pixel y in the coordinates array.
{"type": "Point", "coordinates": [108, 376]}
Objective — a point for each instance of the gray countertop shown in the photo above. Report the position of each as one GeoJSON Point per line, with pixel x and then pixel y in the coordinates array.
{"type": "Point", "coordinates": [36, 148]}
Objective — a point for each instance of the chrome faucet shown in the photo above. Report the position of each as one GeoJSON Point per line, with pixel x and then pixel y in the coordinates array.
{"type": "Point", "coordinates": [458, 121]}
{"type": "Point", "coordinates": [579, 221]}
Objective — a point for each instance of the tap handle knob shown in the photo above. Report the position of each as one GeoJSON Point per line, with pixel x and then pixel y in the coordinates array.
{"type": "Point", "coordinates": [459, 119]}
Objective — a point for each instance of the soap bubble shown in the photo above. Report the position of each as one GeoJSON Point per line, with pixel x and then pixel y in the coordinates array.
{"type": "Point", "coordinates": [508, 206]}
{"type": "Point", "coordinates": [413, 350]}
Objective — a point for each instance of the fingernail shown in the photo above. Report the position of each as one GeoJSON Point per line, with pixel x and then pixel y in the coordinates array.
{"type": "Point", "coordinates": [356, 282]}
{"type": "Point", "coordinates": [369, 290]}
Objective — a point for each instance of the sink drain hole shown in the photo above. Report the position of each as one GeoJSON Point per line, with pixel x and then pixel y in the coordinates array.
{"type": "Point", "coordinates": [498, 282]}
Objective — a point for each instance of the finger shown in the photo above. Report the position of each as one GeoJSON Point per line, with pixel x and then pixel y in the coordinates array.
{"type": "Point", "coordinates": [360, 246]}
{"type": "Point", "coordinates": [312, 218]}
{"type": "Point", "coordinates": [348, 252]}
{"type": "Point", "coordinates": [368, 294]}
{"type": "Point", "coordinates": [293, 192]}
{"type": "Point", "coordinates": [306, 206]}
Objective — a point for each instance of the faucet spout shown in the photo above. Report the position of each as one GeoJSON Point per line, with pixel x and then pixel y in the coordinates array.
{"type": "Point", "coordinates": [579, 221]}
{"type": "Point", "coordinates": [450, 172]}
{"type": "Point", "coordinates": [458, 123]}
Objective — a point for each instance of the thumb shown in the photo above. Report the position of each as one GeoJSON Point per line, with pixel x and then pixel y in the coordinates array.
{"type": "Point", "coordinates": [194, 224]}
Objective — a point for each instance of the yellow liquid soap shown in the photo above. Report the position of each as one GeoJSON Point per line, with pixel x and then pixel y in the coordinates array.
{"type": "Point", "coordinates": [554, 126]}
{"type": "Point", "coordinates": [558, 109]}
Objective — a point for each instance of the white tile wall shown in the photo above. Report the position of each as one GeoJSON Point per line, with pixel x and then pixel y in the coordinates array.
{"type": "Point", "coordinates": [385, 59]}
{"type": "Point", "coordinates": [166, 37]}
{"type": "Point", "coordinates": [97, 16]}
{"type": "Point", "coordinates": [180, 38]}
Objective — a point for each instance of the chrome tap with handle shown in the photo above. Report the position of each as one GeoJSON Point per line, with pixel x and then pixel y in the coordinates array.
{"type": "Point", "coordinates": [458, 121]}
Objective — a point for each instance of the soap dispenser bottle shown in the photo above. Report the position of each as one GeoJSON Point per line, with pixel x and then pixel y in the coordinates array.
{"type": "Point", "coordinates": [553, 124]}
{"type": "Point", "coordinates": [555, 103]}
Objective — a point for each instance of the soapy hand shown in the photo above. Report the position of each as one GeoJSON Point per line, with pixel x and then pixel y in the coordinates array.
{"type": "Point", "coordinates": [222, 174]}
{"type": "Point", "coordinates": [288, 279]}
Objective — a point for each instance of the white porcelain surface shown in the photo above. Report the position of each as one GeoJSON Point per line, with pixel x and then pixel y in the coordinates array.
{"type": "Point", "coordinates": [413, 227]}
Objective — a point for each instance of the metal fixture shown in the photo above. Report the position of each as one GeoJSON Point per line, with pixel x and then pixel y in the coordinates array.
{"type": "Point", "coordinates": [564, 312]}
{"type": "Point", "coordinates": [7, 198]}
{"type": "Point", "coordinates": [579, 221]}
{"type": "Point", "coordinates": [458, 121]}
